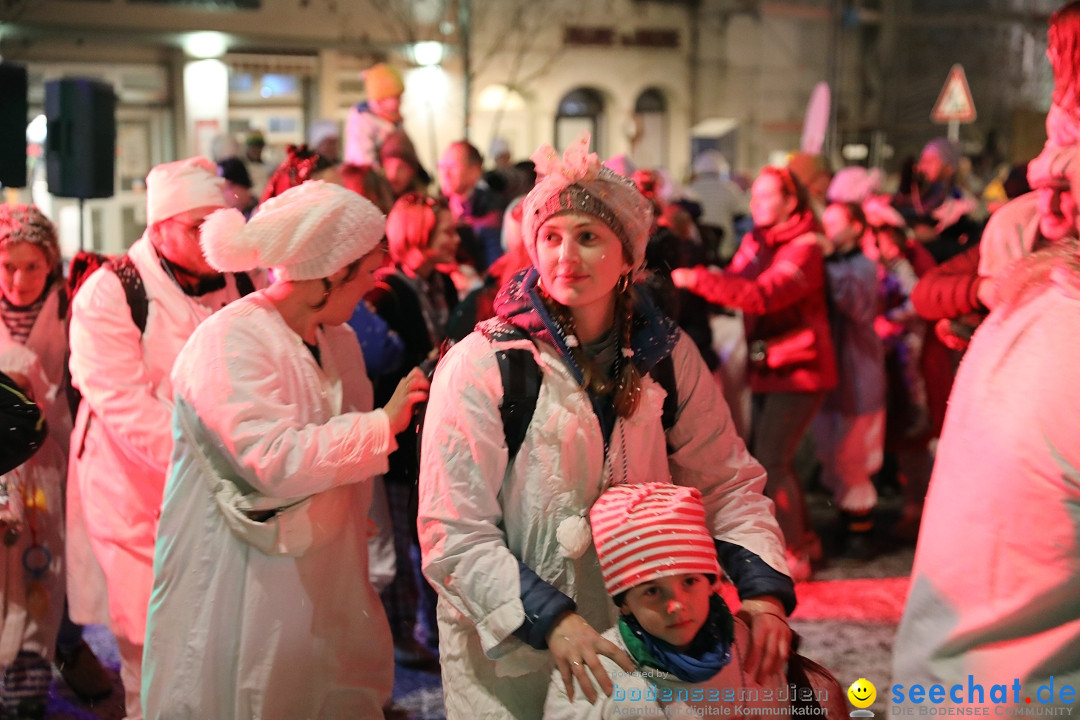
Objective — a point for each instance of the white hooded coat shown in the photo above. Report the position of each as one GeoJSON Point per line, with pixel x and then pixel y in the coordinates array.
{"type": "Point", "coordinates": [123, 436]}
{"type": "Point", "coordinates": [478, 518]}
{"type": "Point", "coordinates": [296, 632]}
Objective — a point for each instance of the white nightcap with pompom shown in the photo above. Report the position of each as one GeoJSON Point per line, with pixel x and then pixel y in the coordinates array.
{"type": "Point", "coordinates": [308, 232]}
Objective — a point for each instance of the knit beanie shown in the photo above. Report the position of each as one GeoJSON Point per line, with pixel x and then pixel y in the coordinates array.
{"type": "Point", "coordinates": [233, 170]}
{"type": "Point", "coordinates": [176, 187]}
{"type": "Point", "coordinates": [578, 183]}
{"type": "Point", "coordinates": [711, 162]}
{"type": "Point", "coordinates": [398, 145]}
{"type": "Point", "coordinates": [806, 167]}
{"type": "Point", "coordinates": [26, 224]}
{"type": "Point", "coordinates": [649, 531]}
{"type": "Point", "coordinates": [310, 231]}
{"type": "Point", "coordinates": [879, 213]}
{"type": "Point", "coordinates": [382, 81]}
{"type": "Point", "coordinates": [945, 149]}
{"type": "Point", "coordinates": [854, 185]}
{"type": "Point", "coordinates": [322, 129]}
{"type": "Point", "coordinates": [621, 164]}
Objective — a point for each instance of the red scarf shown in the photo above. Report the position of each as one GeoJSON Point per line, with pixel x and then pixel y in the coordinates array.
{"type": "Point", "coordinates": [798, 224]}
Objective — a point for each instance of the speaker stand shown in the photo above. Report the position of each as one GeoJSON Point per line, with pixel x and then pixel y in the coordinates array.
{"type": "Point", "coordinates": [82, 223]}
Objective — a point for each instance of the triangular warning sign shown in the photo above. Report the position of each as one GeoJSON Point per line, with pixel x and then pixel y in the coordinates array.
{"type": "Point", "coordinates": [954, 104]}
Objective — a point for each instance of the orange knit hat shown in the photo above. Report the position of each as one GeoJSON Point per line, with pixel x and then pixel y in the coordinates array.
{"type": "Point", "coordinates": [382, 81]}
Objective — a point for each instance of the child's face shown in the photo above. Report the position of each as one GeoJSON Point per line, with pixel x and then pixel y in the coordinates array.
{"type": "Point", "coordinates": [672, 608]}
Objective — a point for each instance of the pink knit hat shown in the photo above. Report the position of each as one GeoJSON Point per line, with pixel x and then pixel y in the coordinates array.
{"type": "Point", "coordinates": [576, 182]}
{"type": "Point", "coordinates": [649, 531]}
{"type": "Point", "coordinates": [879, 213]}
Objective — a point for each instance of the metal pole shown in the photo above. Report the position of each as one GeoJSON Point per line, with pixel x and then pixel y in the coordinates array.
{"type": "Point", "coordinates": [465, 24]}
{"type": "Point", "coordinates": [82, 224]}
{"type": "Point", "coordinates": [954, 131]}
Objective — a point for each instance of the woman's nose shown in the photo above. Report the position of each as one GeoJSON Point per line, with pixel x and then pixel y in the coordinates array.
{"type": "Point", "coordinates": [568, 251]}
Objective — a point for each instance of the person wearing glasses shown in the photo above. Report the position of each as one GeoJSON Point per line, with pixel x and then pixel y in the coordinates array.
{"type": "Point", "coordinates": [122, 440]}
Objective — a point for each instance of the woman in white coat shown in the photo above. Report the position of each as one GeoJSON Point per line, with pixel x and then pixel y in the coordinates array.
{"type": "Point", "coordinates": [33, 341]}
{"type": "Point", "coordinates": [504, 539]}
{"type": "Point", "coordinates": [261, 604]}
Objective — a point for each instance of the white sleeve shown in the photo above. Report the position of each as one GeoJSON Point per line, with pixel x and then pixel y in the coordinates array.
{"type": "Point", "coordinates": [359, 141]}
{"type": "Point", "coordinates": [462, 464]}
{"type": "Point", "coordinates": [109, 369]}
{"type": "Point", "coordinates": [233, 381]}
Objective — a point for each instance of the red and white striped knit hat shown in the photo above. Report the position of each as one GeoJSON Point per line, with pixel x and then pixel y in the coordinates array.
{"type": "Point", "coordinates": [649, 531]}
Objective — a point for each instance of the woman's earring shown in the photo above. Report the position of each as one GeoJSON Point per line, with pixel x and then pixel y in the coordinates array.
{"type": "Point", "coordinates": [623, 284]}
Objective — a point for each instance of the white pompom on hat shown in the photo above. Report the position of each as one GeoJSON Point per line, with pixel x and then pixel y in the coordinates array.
{"type": "Point", "coordinates": [649, 531]}
{"type": "Point", "coordinates": [854, 185]}
{"type": "Point", "coordinates": [176, 187]}
{"type": "Point", "coordinates": [308, 232]}
{"type": "Point", "coordinates": [576, 182]}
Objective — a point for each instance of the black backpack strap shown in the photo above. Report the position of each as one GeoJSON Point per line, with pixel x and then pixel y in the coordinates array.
{"type": "Point", "coordinates": [521, 388]}
{"type": "Point", "coordinates": [244, 285]}
{"type": "Point", "coordinates": [521, 380]}
{"type": "Point", "coordinates": [663, 373]}
{"type": "Point", "coordinates": [134, 289]}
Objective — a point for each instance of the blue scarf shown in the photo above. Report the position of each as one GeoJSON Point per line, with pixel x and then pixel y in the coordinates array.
{"type": "Point", "coordinates": [709, 651]}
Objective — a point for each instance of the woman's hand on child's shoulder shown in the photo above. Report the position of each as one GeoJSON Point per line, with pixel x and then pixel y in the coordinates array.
{"type": "Point", "coordinates": [770, 637]}
{"type": "Point", "coordinates": [575, 645]}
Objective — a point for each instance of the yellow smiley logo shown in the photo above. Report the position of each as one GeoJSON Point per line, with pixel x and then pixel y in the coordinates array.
{"type": "Point", "coordinates": [862, 693]}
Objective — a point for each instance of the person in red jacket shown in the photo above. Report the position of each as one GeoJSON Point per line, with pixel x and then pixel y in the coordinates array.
{"type": "Point", "coordinates": [777, 279]}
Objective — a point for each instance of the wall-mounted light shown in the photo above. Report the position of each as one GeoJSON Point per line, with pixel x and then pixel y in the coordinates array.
{"type": "Point", "coordinates": [37, 130]}
{"type": "Point", "coordinates": [427, 53]}
{"type": "Point", "coordinates": [855, 152]}
{"type": "Point", "coordinates": [205, 45]}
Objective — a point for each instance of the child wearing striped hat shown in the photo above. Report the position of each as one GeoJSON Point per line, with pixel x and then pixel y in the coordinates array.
{"type": "Point", "coordinates": [660, 567]}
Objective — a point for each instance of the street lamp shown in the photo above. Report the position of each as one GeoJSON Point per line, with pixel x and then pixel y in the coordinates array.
{"type": "Point", "coordinates": [428, 53]}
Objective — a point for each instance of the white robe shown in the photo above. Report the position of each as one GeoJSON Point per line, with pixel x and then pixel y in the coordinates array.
{"type": "Point", "coordinates": [31, 623]}
{"type": "Point", "coordinates": [234, 632]}
{"type": "Point", "coordinates": [122, 438]}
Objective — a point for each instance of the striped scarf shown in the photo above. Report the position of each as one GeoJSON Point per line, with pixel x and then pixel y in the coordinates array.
{"type": "Point", "coordinates": [20, 320]}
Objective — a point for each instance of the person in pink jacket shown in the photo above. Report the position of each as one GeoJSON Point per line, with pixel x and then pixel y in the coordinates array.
{"type": "Point", "coordinates": [777, 278]}
{"type": "Point", "coordinates": [122, 439]}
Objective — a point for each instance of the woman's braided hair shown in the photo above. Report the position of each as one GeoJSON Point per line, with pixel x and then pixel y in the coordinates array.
{"type": "Point", "coordinates": [625, 383]}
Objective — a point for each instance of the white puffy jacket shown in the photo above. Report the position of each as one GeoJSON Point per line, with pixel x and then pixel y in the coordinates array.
{"type": "Point", "coordinates": [478, 518]}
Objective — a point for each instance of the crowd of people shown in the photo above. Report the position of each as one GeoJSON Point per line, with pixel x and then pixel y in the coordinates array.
{"type": "Point", "coordinates": [320, 419]}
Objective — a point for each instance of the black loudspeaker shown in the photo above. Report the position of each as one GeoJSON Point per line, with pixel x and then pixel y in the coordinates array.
{"type": "Point", "coordinates": [13, 112]}
{"type": "Point", "coordinates": [80, 150]}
